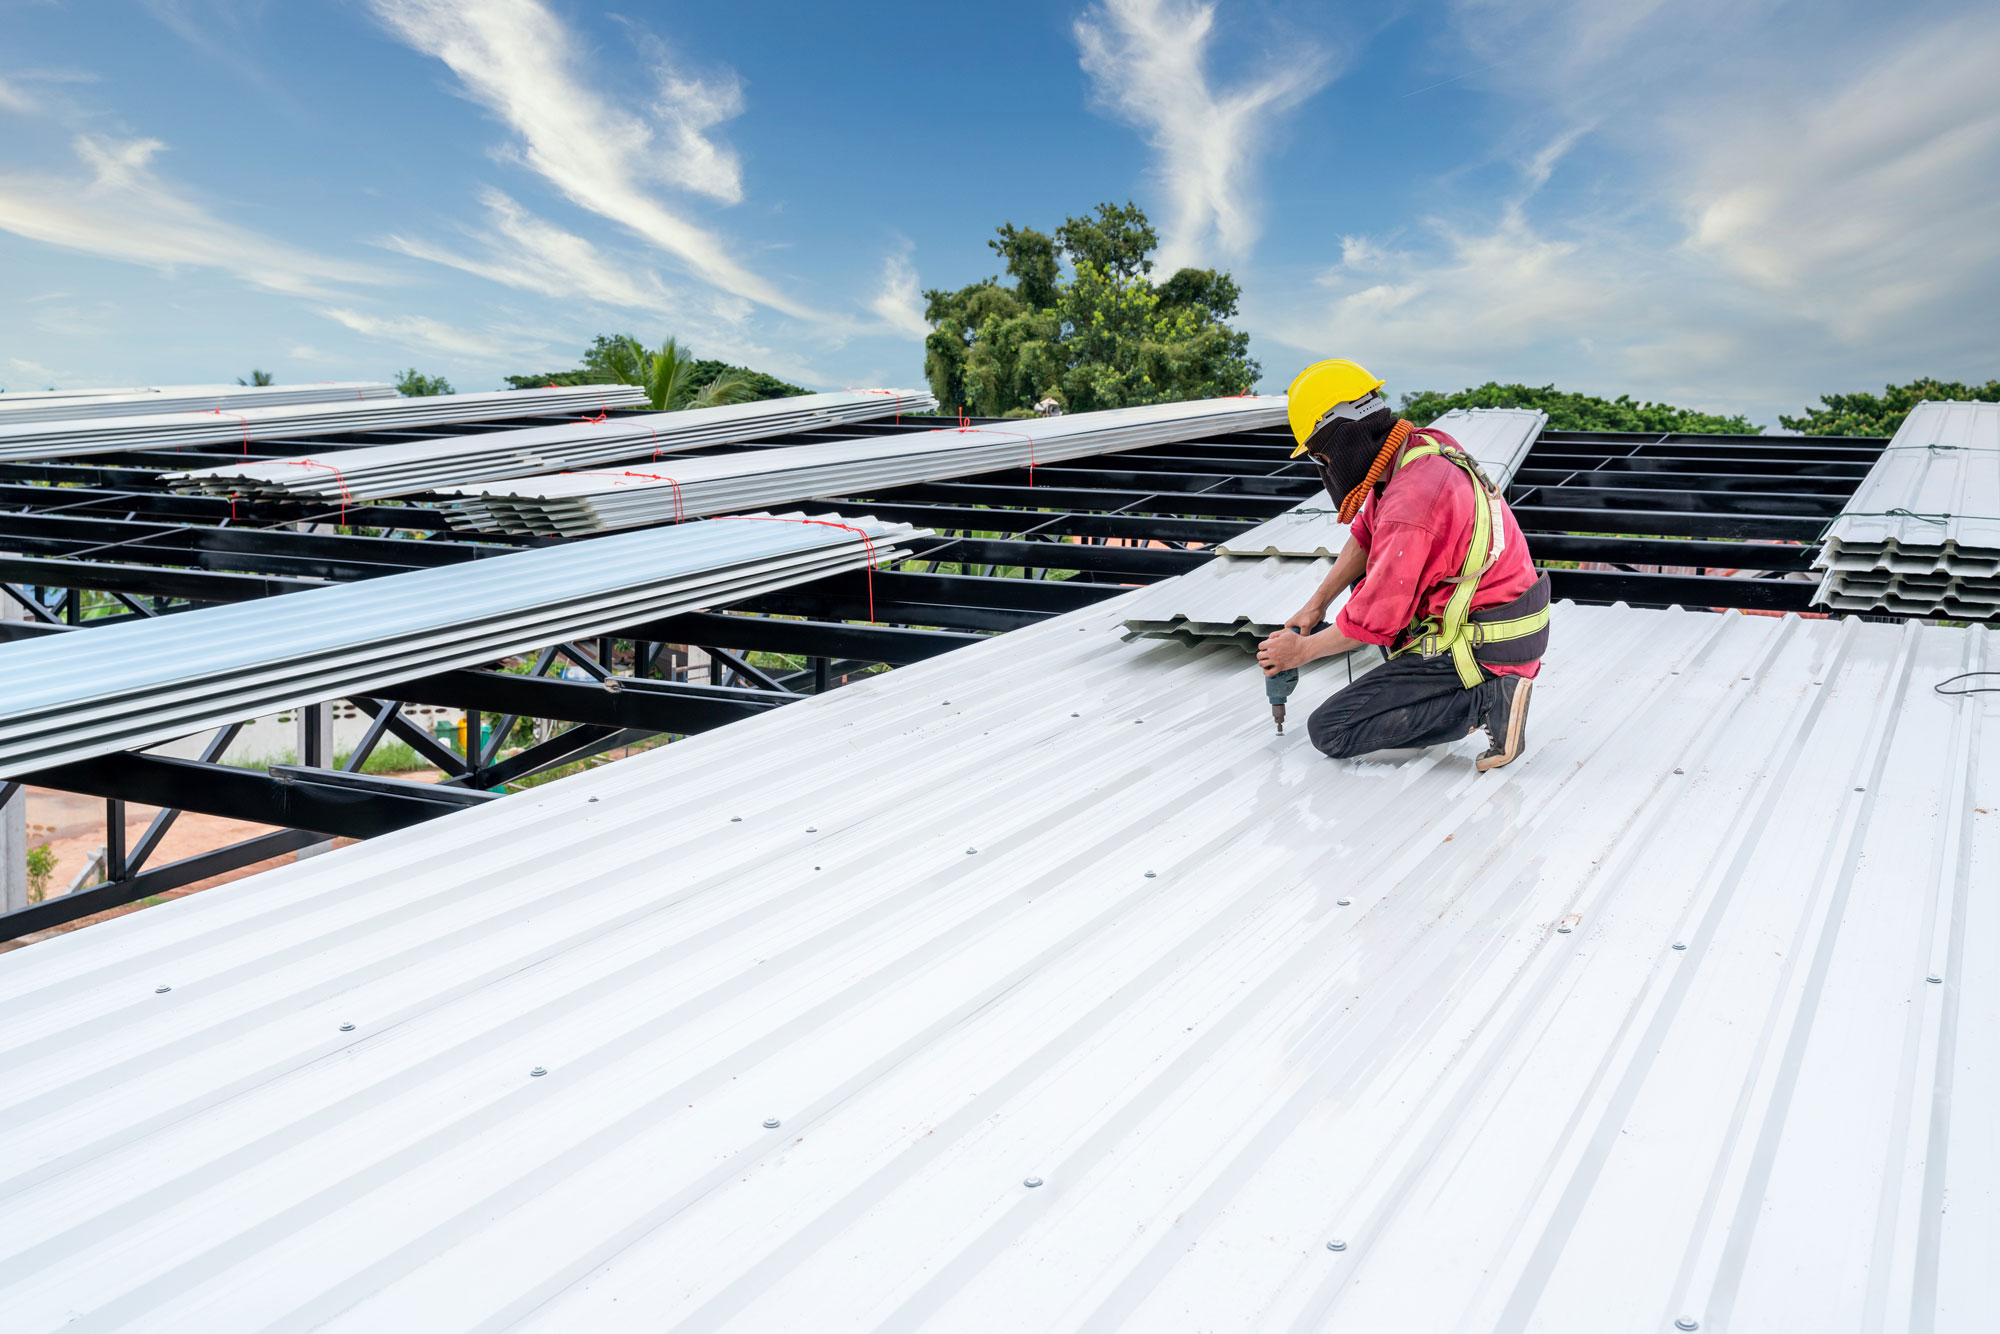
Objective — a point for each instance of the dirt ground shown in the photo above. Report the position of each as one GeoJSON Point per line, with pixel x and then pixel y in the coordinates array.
{"type": "Point", "coordinates": [73, 828]}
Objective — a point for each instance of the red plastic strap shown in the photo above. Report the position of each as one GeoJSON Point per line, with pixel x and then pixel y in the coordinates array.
{"type": "Point", "coordinates": [867, 542]}
{"type": "Point", "coordinates": [592, 421]}
{"type": "Point", "coordinates": [346, 496]}
{"type": "Point", "coordinates": [988, 430]}
{"type": "Point", "coordinates": [890, 392]}
{"type": "Point", "coordinates": [648, 476]}
{"type": "Point", "coordinates": [239, 417]}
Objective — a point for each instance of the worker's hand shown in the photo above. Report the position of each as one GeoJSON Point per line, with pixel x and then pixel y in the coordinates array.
{"type": "Point", "coordinates": [1283, 650]}
{"type": "Point", "coordinates": [1307, 618]}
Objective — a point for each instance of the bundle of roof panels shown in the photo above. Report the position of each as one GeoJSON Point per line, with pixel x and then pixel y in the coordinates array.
{"type": "Point", "coordinates": [379, 471]}
{"type": "Point", "coordinates": [229, 426]}
{"type": "Point", "coordinates": [1265, 574]}
{"type": "Point", "coordinates": [79, 405]}
{"type": "Point", "coordinates": [574, 504]}
{"type": "Point", "coordinates": [1921, 535]}
{"type": "Point", "coordinates": [69, 697]}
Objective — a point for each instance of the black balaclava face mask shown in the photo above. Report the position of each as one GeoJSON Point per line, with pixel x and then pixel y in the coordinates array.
{"type": "Point", "coordinates": [1344, 450]}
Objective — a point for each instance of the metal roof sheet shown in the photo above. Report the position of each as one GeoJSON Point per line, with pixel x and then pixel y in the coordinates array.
{"type": "Point", "coordinates": [575, 504]}
{"type": "Point", "coordinates": [1943, 464]}
{"type": "Point", "coordinates": [1061, 908]}
{"type": "Point", "coordinates": [376, 471]}
{"type": "Point", "coordinates": [165, 428]}
{"type": "Point", "coordinates": [1232, 597]}
{"type": "Point", "coordinates": [1921, 535]}
{"type": "Point", "coordinates": [68, 697]}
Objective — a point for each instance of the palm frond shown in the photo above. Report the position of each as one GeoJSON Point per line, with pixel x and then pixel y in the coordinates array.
{"type": "Point", "coordinates": [729, 388]}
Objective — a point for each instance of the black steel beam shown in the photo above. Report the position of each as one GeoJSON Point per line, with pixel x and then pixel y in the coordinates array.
{"type": "Point", "coordinates": [1582, 496]}
{"type": "Point", "coordinates": [578, 743]}
{"type": "Point", "coordinates": [195, 585]}
{"type": "Point", "coordinates": [83, 902]}
{"type": "Point", "coordinates": [339, 785]}
{"type": "Point", "coordinates": [1671, 551]}
{"type": "Point", "coordinates": [319, 804]}
{"type": "Point", "coordinates": [1169, 480]}
{"type": "Point", "coordinates": [214, 510]}
{"type": "Point", "coordinates": [966, 518]}
{"type": "Point", "coordinates": [646, 706]}
{"type": "Point", "coordinates": [1681, 590]}
{"type": "Point", "coordinates": [1623, 479]}
{"type": "Point", "coordinates": [1670, 523]}
{"type": "Point", "coordinates": [423, 743]}
{"type": "Point", "coordinates": [829, 639]}
{"type": "Point", "coordinates": [1143, 564]}
{"type": "Point", "coordinates": [13, 630]}
{"type": "Point", "coordinates": [828, 606]}
{"type": "Point", "coordinates": [1078, 498]}
{"type": "Point", "coordinates": [1046, 597]}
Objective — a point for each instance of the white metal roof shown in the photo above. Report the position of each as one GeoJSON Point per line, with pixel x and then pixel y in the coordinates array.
{"type": "Point", "coordinates": [1062, 907]}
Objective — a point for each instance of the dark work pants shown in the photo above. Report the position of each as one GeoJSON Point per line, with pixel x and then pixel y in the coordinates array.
{"type": "Point", "coordinates": [1407, 701]}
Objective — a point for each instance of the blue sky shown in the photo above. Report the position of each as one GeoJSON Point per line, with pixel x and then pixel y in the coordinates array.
{"type": "Point", "coordinates": [1731, 205]}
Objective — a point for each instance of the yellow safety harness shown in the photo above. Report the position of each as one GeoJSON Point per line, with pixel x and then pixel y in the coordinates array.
{"type": "Point", "coordinates": [1455, 632]}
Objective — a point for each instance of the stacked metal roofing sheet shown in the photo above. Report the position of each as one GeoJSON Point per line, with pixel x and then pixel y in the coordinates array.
{"type": "Point", "coordinates": [88, 405]}
{"type": "Point", "coordinates": [68, 697]}
{"type": "Point", "coordinates": [591, 502]}
{"type": "Point", "coordinates": [166, 430]}
{"type": "Point", "coordinates": [1040, 987]}
{"type": "Point", "coordinates": [1266, 574]}
{"type": "Point", "coordinates": [1921, 535]}
{"type": "Point", "coordinates": [421, 465]}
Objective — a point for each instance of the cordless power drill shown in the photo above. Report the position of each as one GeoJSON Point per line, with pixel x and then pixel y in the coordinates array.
{"type": "Point", "coordinates": [1278, 688]}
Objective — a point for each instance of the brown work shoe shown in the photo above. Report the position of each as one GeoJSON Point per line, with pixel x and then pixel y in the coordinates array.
{"type": "Point", "coordinates": [1506, 720]}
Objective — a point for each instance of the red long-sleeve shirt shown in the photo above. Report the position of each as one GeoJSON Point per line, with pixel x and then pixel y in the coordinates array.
{"type": "Point", "coordinates": [1416, 533]}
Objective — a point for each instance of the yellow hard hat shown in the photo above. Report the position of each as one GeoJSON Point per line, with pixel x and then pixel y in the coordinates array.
{"type": "Point", "coordinates": [1318, 389]}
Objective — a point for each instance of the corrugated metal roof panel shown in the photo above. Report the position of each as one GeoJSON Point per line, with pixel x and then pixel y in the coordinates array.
{"type": "Point", "coordinates": [1061, 907]}
{"type": "Point", "coordinates": [69, 697]}
{"type": "Point", "coordinates": [1498, 437]}
{"type": "Point", "coordinates": [1243, 597]}
{"type": "Point", "coordinates": [1929, 506]}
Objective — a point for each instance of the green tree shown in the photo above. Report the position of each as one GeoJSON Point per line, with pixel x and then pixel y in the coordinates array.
{"type": "Point", "coordinates": [258, 379]}
{"type": "Point", "coordinates": [623, 359]}
{"type": "Point", "coordinates": [552, 379]}
{"type": "Point", "coordinates": [41, 865]}
{"type": "Point", "coordinates": [667, 375]}
{"type": "Point", "coordinates": [1873, 414]}
{"type": "Point", "coordinates": [414, 385]}
{"type": "Point", "coordinates": [1577, 412]}
{"type": "Point", "coordinates": [1104, 335]}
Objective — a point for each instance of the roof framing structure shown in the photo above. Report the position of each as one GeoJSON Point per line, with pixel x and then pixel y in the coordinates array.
{"type": "Point", "coordinates": [1695, 521]}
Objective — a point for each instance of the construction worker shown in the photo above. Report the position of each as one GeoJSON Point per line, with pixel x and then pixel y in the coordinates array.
{"type": "Point", "coordinates": [1441, 576]}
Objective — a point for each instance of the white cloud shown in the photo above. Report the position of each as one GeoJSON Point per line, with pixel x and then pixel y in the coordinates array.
{"type": "Point", "coordinates": [515, 58]}
{"type": "Point", "coordinates": [524, 251]}
{"type": "Point", "coordinates": [13, 99]}
{"type": "Point", "coordinates": [33, 372]}
{"type": "Point", "coordinates": [898, 303]}
{"type": "Point", "coordinates": [1865, 203]}
{"type": "Point", "coordinates": [120, 208]}
{"type": "Point", "coordinates": [1765, 215]}
{"type": "Point", "coordinates": [423, 334]}
{"type": "Point", "coordinates": [1148, 60]}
